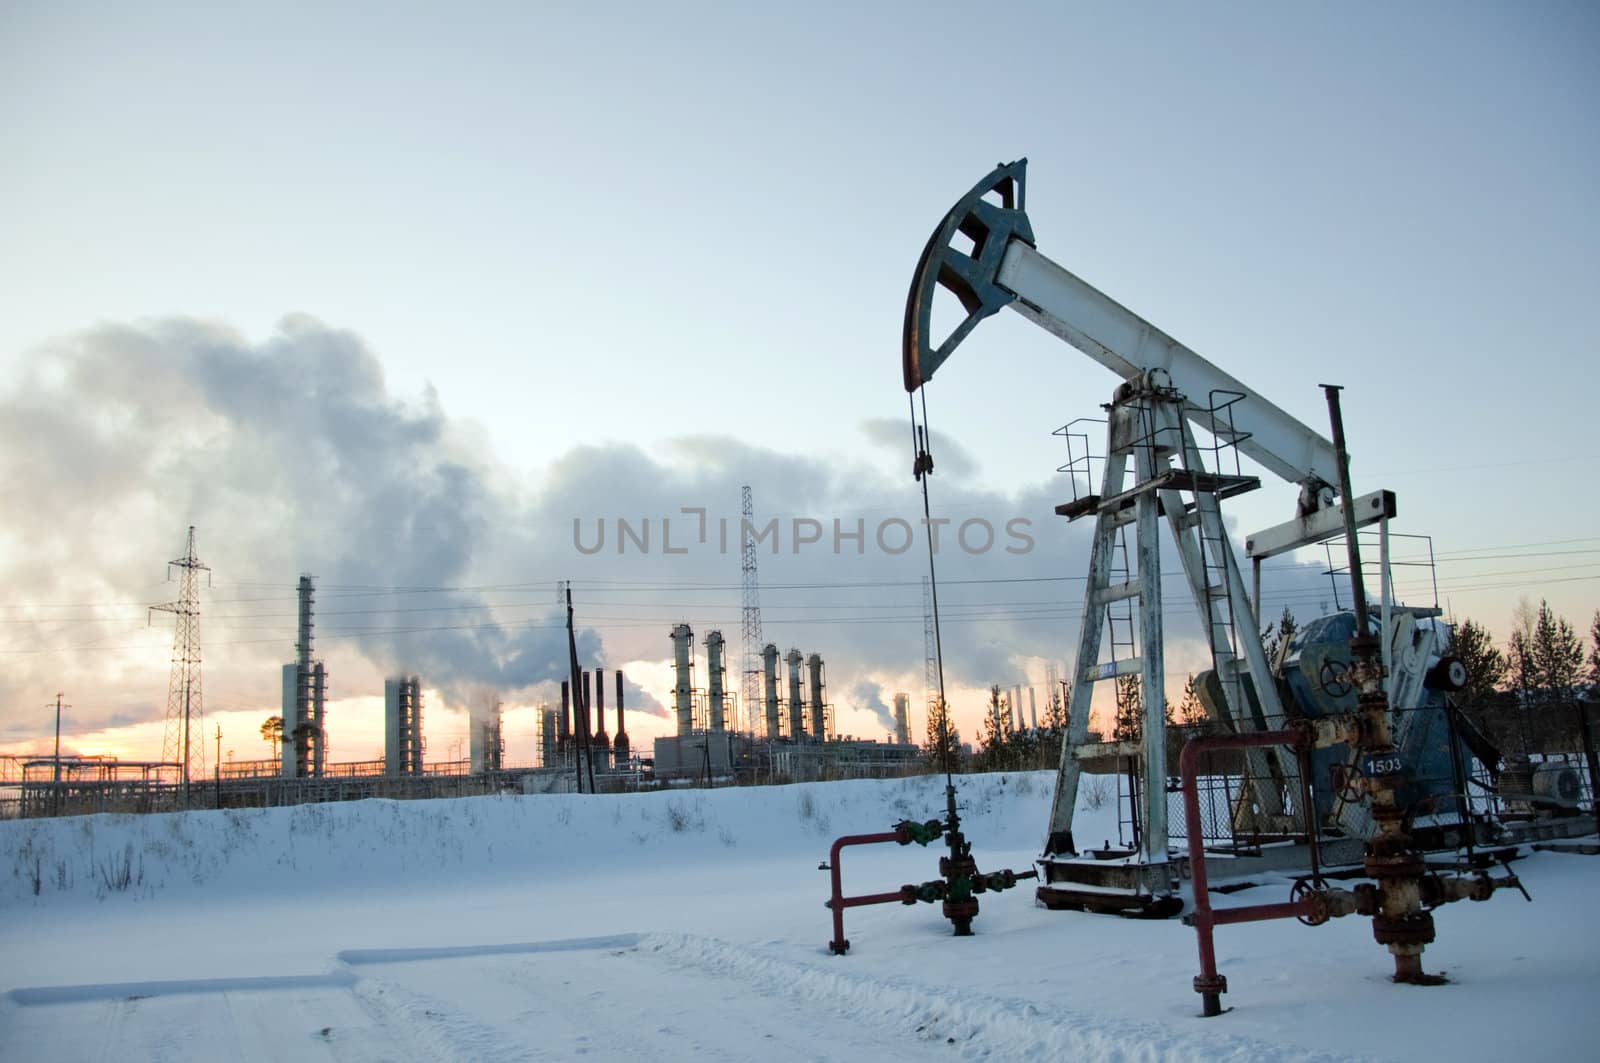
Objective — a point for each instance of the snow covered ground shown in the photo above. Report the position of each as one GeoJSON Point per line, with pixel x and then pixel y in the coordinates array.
{"type": "Point", "coordinates": [691, 926]}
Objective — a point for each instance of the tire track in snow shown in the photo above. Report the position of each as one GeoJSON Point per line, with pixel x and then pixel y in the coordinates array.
{"type": "Point", "coordinates": [984, 1027]}
{"type": "Point", "coordinates": [443, 1032]}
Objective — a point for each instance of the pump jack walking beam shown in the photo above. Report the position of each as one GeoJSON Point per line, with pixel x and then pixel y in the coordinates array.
{"type": "Point", "coordinates": [1004, 269]}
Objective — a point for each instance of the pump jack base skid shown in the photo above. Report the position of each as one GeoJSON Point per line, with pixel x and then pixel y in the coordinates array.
{"type": "Point", "coordinates": [1107, 881]}
{"type": "Point", "coordinates": [1060, 898]}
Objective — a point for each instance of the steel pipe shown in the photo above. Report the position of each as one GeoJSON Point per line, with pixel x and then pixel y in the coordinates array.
{"type": "Point", "coordinates": [839, 902]}
{"type": "Point", "coordinates": [1208, 983]}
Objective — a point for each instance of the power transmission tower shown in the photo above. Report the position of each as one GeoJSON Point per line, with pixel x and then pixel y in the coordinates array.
{"type": "Point", "coordinates": [750, 637]}
{"type": "Point", "coordinates": [185, 707]}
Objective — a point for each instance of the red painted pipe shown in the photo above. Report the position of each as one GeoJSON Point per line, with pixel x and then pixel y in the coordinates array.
{"type": "Point", "coordinates": [1209, 984]}
{"type": "Point", "coordinates": [839, 902]}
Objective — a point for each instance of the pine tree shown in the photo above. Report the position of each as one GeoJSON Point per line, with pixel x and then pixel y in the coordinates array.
{"type": "Point", "coordinates": [944, 741]}
{"type": "Point", "coordinates": [1545, 657]}
{"type": "Point", "coordinates": [1191, 712]}
{"type": "Point", "coordinates": [1486, 664]}
{"type": "Point", "coordinates": [1275, 636]}
{"type": "Point", "coordinates": [1594, 655]}
{"type": "Point", "coordinates": [994, 735]}
{"type": "Point", "coordinates": [1558, 655]}
{"type": "Point", "coordinates": [1129, 724]}
{"type": "Point", "coordinates": [1055, 712]}
{"type": "Point", "coordinates": [272, 734]}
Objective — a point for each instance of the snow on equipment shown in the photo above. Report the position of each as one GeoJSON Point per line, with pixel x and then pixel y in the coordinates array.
{"type": "Point", "coordinates": [1342, 744]}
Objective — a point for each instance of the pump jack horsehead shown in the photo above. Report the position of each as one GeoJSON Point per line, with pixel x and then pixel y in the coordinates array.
{"type": "Point", "coordinates": [1287, 733]}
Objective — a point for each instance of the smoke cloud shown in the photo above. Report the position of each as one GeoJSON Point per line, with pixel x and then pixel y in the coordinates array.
{"type": "Point", "coordinates": [291, 455]}
{"type": "Point", "coordinates": [868, 696]}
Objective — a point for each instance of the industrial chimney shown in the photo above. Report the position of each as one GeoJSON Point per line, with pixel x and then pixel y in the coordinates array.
{"type": "Point", "coordinates": [902, 719]}
{"type": "Point", "coordinates": [621, 743]}
{"type": "Point", "coordinates": [402, 751]}
{"type": "Point", "coordinates": [797, 713]}
{"type": "Point", "coordinates": [714, 692]}
{"type": "Point", "coordinates": [484, 744]}
{"type": "Point", "coordinates": [304, 699]}
{"type": "Point", "coordinates": [769, 662]}
{"type": "Point", "coordinates": [583, 721]}
{"type": "Point", "coordinates": [602, 741]}
{"type": "Point", "coordinates": [563, 725]}
{"type": "Point", "coordinates": [548, 729]}
{"type": "Point", "coordinates": [319, 705]}
{"type": "Point", "coordinates": [819, 704]}
{"type": "Point", "coordinates": [682, 694]}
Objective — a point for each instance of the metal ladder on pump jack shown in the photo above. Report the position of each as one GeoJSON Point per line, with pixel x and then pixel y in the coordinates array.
{"type": "Point", "coordinates": [1259, 796]}
{"type": "Point", "coordinates": [1117, 614]}
{"type": "Point", "coordinates": [1209, 564]}
{"type": "Point", "coordinates": [1114, 586]}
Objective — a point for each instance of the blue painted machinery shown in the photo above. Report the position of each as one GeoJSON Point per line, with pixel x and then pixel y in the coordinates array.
{"type": "Point", "coordinates": [1435, 745]}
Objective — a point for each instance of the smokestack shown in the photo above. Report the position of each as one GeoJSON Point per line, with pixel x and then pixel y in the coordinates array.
{"type": "Point", "coordinates": [319, 704]}
{"type": "Point", "coordinates": [1016, 707]}
{"type": "Point", "coordinates": [298, 752]}
{"type": "Point", "coordinates": [819, 704]}
{"type": "Point", "coordinates": [602, 742]}
{"type": "Point", "coordinates": [484, 742]}
{"type": "Point", "coordinates": [1033, 706]}
{"type": "Point", "coordinates": [797, 711]}
{"type": "Point", "coordinates": [682, 694]}
{"type": "Point", "coordinates": [583, 710]}
{"type": "Point", "coordinates": [621, 742]}
{"type": "Point", "coordinates": [902, 719]}
{"type": "Point", "coordinates": [402, 748]}
{"type": "Point", "coordinates": [714, 683]}
{"type": "Point", "coordinates": [769, 664]}
{"type": "Point", "coordinates": [416, 725]}
{"type": "Point", "coordinates": [547, 737]}
{"type": "Point", "coordinates": [565, 722]}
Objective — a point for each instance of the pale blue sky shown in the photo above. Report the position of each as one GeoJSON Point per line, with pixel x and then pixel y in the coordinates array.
{"type": "Point", "coordinates": [590, 222]}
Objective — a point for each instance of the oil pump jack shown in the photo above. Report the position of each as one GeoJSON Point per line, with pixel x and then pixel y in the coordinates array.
{"type": "Point", "coordinates": [1325, 704]}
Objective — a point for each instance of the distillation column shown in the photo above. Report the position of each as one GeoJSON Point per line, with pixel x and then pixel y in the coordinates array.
{"type": "Point", "coordinates": [797, 705]}
{"type": "Point", "coordinates": [683, 690]}
{"type": "Point", "coordinates": [819, 704]}
{"type": "Point", "coordinates": [769, 664]}
{"type": "Point", "coordinates": [714, 691]}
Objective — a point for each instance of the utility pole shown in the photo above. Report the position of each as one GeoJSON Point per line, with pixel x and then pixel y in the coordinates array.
{"type": "Point", "coordinates": [580, 708]}
{"type": "Point", "coordinates": [59, 707]}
